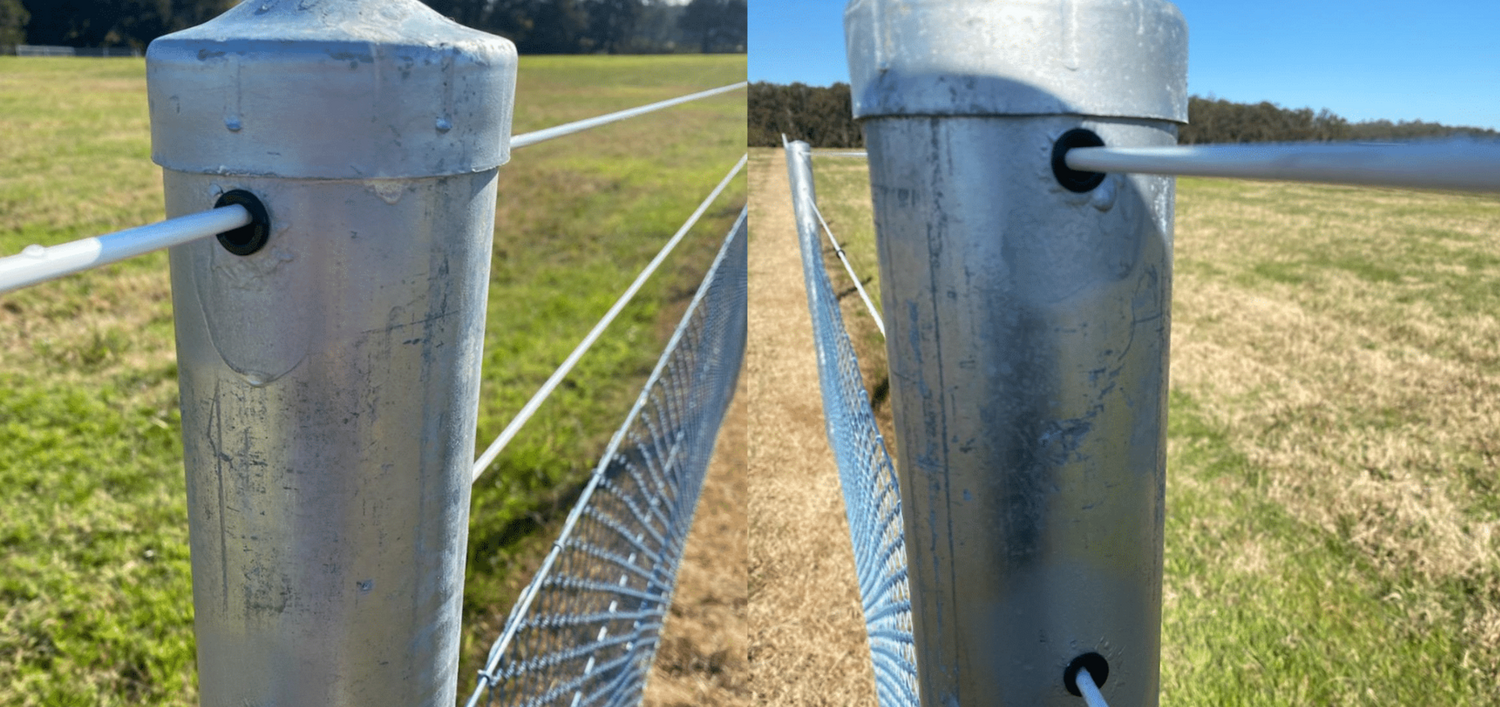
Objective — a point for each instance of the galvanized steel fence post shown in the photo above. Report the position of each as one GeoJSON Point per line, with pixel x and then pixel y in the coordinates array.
{"type": "Point", "coordinates": [329, 365]}
{"type": "Point", "coordinates": [1027, 313]}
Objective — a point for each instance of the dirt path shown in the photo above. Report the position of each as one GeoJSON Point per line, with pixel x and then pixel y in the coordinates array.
{"type": "Point", "coordinates": [807, 640]}
{"type": "Point", "coordinates": [701, 660]}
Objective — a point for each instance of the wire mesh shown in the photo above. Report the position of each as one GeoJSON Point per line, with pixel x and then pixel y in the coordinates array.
{"type": "Point", "coordinates": [585, 631]}
{"type": "Point", "coordinates": [872, 497]}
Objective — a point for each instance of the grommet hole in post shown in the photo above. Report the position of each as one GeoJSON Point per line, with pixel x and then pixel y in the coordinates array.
{"type": "Point", "coordinates": [249, 238]}
{"type": "Point", "coordinates": [1097, 666]}
{"type": "Point", "coordinates": [1072, 179]}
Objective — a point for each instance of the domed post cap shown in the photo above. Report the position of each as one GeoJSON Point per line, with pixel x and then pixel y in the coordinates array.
{"type": "Point", "coordinates": [331, 89]}
{"type": "Point", "coordinates": [1102, 58]}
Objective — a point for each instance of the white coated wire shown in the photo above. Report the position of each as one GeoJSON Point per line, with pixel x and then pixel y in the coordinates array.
{"type": "Point", "coordinates": [1459, 164]}
{"type": "Point", "coordinates": [839, 250]}
{"type": "Point", "coordinates": [1091, 695]}
{"type": "Point", "coordinates": [528, 410]}
{"type": "Point", "coordinates": [532, 138]}
{"type": "Point", "coordinates": [37, 264]}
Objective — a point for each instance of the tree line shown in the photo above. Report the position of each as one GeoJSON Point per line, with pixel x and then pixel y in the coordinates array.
{"type": "Point", "coordinates": [823, 117]}
{"type": "Point", "coordinates": [536, 26]}
{"type": "Point", "coordinates": [820, 116]}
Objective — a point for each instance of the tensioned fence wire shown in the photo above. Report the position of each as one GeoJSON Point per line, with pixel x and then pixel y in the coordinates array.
{"type": "Point", "coordinates": [37, 264]}
{"type": "Point", "coordinates": [872, 496]}
{"type": "Point", "coordinates": [513, 428]}
{"type": "Point", "coordinates": [585, 630]}
{"type": "Point", "coordinates": [1456, 163]}
{"type": "Point", "coordinates": [858, 286]}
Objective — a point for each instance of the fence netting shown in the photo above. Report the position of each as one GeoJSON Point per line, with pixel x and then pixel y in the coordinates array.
{"type": "Point", "coordinates": [585, 631]}
{"type": "Point", "coordinates": [872, 497]}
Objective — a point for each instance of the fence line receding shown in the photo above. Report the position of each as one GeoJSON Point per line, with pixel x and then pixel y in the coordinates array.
{"type": "Point", "coordinates": [531, 406]}
{"type": "Point", "coordinates": [872, 496]}
{"type": "Point", "coordinates": [585, 630]}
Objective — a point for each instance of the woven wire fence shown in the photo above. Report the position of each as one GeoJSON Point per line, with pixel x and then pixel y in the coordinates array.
{"type": "Point", "coordinates": [585, 630]}
{"type": "Point", "coordinates": [872, 497]}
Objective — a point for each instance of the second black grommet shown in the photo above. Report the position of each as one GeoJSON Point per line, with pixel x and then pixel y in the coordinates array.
{"type": "Point", "coordinates": [1097, 666]}
{"type": "Point", "coordinates": [1071, 179]}
{"type": "Point", "coordinates": [249, 238]}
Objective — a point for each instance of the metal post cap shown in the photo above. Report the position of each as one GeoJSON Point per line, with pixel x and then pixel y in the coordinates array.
{"type": "Point", "coordinates": [1105, 58]}
{"type": "Point", "coordinates": [331, 89]}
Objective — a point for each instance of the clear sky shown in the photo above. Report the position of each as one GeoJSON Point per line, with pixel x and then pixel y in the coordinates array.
{"type": "Point", "coordinates": [1362, 59]}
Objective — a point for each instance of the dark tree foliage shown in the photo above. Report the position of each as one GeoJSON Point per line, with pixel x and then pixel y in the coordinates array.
{"type": "Point", "coordinates": [717, 25]}
{"type": "Point", "coordinates": [1220, 121]}
{"type": "Point", "coordinates": [113, 23]}
{"type": "Point", "coordinates": [536, 26]}
{"type": "Point", "coordinates": [577, 26]}
{"type": "Point", "coordinates": [554, 27]}
{"type": "Point", "coordinates": [13, 17]}
{"type": "Point", "coordinates": [611, 23]}
{"type": "Point", "coordinates": [464, 12]}
{"type": "Point", "coordinates": [657, 30]}
{"type": "Point", "coordinates": [821, 116]}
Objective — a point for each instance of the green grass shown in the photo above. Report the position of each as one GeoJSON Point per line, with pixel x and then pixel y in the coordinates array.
{"type": "Point", "coordinates": [95, 585]}
{"type": "Point", "coordinates": [1333, 527]}
{"type": "Point", "coordinates": [1264, 610]}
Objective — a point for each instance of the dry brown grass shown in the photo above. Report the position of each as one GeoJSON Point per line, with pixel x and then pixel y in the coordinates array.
{"type": "Point", "coordinates": [807, 643]}
{"type": "Point", "coordinates": [1334, 480]}
{"type": "Point", "coordinates": [703, 659]}
{"type": "Point", "coordinates": [1350, 350]}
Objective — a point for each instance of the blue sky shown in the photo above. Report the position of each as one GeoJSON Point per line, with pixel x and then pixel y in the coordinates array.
{"type": "Point", "coordinates": [1434, 61]}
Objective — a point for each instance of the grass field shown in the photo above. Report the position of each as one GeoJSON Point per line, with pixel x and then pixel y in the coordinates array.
{"type": "Point", "coordinates": [1333, 528]}
{"type": "Point", "coordinates": [94, 577]}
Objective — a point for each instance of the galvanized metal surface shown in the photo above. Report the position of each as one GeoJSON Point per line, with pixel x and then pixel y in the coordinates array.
{"type": "Point", "coordinates": [1460, 164]}
{"type": "Point", "coordinates": [330, 89]}
{"type": "Point", "coordinates": [1027, 332]}
{"type": "Point", "coordinates": [1027, 340]}
{"type": "Point", "coordinates": [1118, 58]}
{"type": "Point", "coordinates": [872, 502]}
{"type": "Point", "coordinates": [329, 382]}
{"type": "Point", "coordinates": [36, 264]}
{"type": "Point", "coordinates": [585, 630]}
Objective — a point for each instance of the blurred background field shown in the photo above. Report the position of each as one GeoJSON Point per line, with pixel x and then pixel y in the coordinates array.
{"type": "Point", "coordinates": [1333, 479]}
{"type": "Point", "coordinates": [95, 593]}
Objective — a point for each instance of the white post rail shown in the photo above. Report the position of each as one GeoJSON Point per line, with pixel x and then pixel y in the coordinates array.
{"type": "Point", "coordinates": [38, 263]}
{"type": "Point", "coordinates": [329, 369]}
{"type": "Point", "coordinates": [534, 137]}
{"type": "Point", "coordinates": [1027, 318]}
{"type": "Point", "coordinates": [1458, 164]}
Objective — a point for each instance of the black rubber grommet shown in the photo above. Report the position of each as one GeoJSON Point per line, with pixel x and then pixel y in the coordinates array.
{"type": "Point", "coordinates": [1097, 666]}
{"type": "Point", "coordinates": [1072, 179]}
{"type": "Point", "coordinates": [246, 239]}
